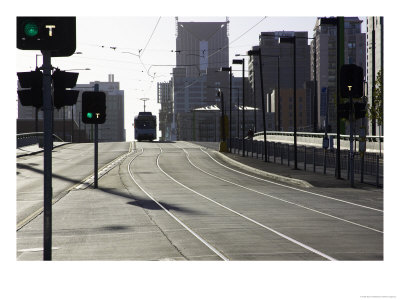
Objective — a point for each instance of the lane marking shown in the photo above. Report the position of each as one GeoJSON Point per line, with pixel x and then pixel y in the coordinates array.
{"type": "Point", "coordinates": [172, 215]}
{"type": "Point", "coordinates": [290, 187]}
{"type": "Point", "coordinates": [277, 198]}
{"type": "Point", "coordinates": [247, 218]}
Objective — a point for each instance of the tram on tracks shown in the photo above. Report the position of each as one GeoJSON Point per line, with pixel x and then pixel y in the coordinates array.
{"type": "Point", "coordinates": [145, 125]}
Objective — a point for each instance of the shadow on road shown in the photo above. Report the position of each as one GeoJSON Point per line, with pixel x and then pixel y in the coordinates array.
{"type": "Point", "coordinates": [135, 200]}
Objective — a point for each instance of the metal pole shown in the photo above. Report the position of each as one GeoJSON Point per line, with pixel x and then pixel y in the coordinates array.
{"type": "Point", "coordinates": [96, 147]}
{"type": "Point", "coordinates": [294, 104]}
{"type": "Point", "coordinates": [47, 159]}
{"type": "Point", "coordinates": [351, 141]}
{"type": "Point", "coordinates": [315, 117]}
{"type": "Point", "coordinates": [255, 101]}
{"type": "Point", "coordinates": [279, 96]}
{"type": "Point", "coordinates": [263, 106]}
{"type": "Point", "coordinates": [72, 127]}
{"type": "Point", "coordinates": [222, 117]}
{"type": "Point", "coordinates": [230, 109]}
{"type": "Point", "coordinates": [338, 63]}
{"type": "Point", "coordinates": [243, 109]}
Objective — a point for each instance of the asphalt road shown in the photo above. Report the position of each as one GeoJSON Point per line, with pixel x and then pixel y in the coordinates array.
{"type": "Point", "coordinates": [71, 163]}
{"type": "Point", "coordinates": [175, 201]}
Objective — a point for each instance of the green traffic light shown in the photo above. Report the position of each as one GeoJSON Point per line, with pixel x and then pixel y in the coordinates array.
{"type": "Point", "coordinates": [31, 29]}
{"type": "Point", "coordinates": [89, 115]}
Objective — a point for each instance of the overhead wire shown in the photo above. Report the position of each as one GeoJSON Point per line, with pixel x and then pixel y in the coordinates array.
{"type": "Point", "coordinates": [227, 45]}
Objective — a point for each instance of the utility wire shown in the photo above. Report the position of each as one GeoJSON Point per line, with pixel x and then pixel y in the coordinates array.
{"type": "Point", "coordinates": [237, 38]}
{"type": "Point", "coordinates": [142, 51]}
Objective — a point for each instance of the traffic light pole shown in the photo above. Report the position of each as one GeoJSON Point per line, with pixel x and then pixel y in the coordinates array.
{"type": "Point", "coordinates": [96, 147]}
{"type": "Point", "coordinates": [47, 161]}
{"type": "Point", "coordinates": [351, 139]}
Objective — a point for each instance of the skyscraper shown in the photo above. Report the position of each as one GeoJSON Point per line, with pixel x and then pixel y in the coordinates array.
{"type": "Point", "coordinates": [202, 48]}
{"type": "Point", "coordinates": [326, 63]}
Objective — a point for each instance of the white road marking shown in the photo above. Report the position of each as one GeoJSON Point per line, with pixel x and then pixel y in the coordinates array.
{"type": "Point", "coordinates": [277, 198]}
{"type": "Point", "coordinates": [172, 215]}
{"type": "Point", "coordinates": [247, 218]}
{"type": "Point", "coordinates": [290, 187]}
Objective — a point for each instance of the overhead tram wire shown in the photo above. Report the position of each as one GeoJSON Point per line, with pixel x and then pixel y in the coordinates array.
{"type": "Point", "coordinates": [237, 37]}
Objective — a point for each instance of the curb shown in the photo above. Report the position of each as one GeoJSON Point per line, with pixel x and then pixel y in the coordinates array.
{"type": "Point", "coordinates": [298, 182]}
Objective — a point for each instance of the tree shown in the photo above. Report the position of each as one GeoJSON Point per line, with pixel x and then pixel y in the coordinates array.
{"type": "Point", "coordinates": [375, 112]}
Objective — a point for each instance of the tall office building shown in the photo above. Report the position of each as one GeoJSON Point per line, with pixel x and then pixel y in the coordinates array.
{"type": "Point", "coordinates": [201, 50]}
{"type": "Point", "coordinates": [374, 60]}
{"type": "Point", "coordinates": [276, 54]}
{"type": "Point", "coordinates": [326, 64]}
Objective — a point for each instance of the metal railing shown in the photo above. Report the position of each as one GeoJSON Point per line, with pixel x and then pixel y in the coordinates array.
{"type": "Point", "coordinates": [31, 138]}
{"type": "Point", "coordinates": [368, 168]}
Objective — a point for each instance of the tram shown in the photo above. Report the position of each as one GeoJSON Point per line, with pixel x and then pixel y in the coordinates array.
{"type": "Point", "coordinates": [145, 125]}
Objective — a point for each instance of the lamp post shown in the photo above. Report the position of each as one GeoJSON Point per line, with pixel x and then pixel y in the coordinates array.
{"type": "Point", "coordinates": [229, 69]}
{"type": "Point", "coordinates": [241, 62]}
{"type": "Point", "coordinates": [258, 52]}
{"type": "Point", "coordinates": [292, 40]}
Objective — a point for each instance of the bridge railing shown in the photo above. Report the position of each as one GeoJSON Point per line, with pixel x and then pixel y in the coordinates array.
{"type": "Point", "coordinates": [31, 138]}
{"type": "Point", "coordinates": [367, 168]}
{"type": "Point", "coordinates": [375, 144]}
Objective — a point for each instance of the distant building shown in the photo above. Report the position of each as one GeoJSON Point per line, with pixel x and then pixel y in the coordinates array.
{"type": "Point", "coordinates": [68, 120]}
{"type": "Point", "coordinates": [276, 54]}
{"type": "Point", "coordinates": [164, 97]}
{"type": "Point", "coordinates": [201, 50]}
{"type": "Point", "coordinates": [326, 64]}
{"type": "Point", "coordinates": [113, 130]}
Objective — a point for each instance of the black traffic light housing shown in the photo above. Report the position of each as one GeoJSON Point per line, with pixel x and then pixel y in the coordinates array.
{"type": "Point", "coordinates": [31, 93]}
{"type": "Point", "coordinates": [351, 75]}
{"type": "Point", "coordinates": [360, 110]}
{"type": "Point", "coordinates": [93, 107]}
{"type": "Point", "coordinates": [61, 81]}
{"type": "Point", "coordinates": [57, 34]}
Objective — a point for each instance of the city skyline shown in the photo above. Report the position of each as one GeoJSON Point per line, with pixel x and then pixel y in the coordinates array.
{"type": "Point", "coordinates": [141, 58]}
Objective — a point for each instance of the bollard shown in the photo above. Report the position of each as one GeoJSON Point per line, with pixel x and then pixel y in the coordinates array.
{"type": "Point", "coordinates": [305, 158]}
{"type": "Point", "coordinates": [288, 155]}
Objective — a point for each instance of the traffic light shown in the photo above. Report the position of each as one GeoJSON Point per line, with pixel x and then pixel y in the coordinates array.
{"type": "Point", "coordinates": [57, 34]}
{"type": "Point", "coordinates": [32, 93]}
{"type": "Point", "coordinates": [61, 81]}
{"type": "Point", "coordinates": [353, 76]}
{"type": "Point", "coordinates": [93, 107]}
{"type": "Point", "coordinates": [360, 110]}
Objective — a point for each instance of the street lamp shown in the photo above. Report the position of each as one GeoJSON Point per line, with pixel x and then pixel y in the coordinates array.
{"type": "Point", "coordinates": [229, 69]}
{"type": "Point", "coordinates": [258, 52]}
{"type": "Point", "coordinates": [241, 62]}
{"type": "Point", "coordinates": [292, 40]}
